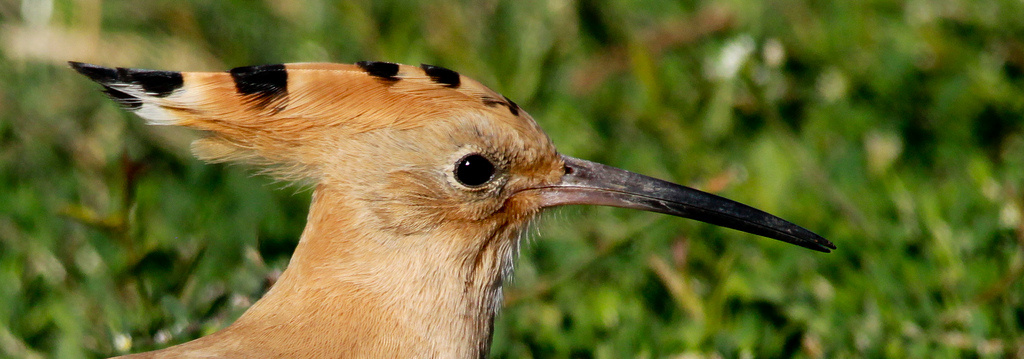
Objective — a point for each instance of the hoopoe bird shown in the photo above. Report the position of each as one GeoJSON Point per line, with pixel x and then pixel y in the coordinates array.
{"type": "Point", "coordinates": [424, 181]}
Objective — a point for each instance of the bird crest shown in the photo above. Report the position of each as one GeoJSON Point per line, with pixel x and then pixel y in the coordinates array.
{"type": "Point", "coordinates": [281, 115]}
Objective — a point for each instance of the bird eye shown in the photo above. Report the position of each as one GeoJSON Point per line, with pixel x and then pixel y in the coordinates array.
{"type": "Point", "coordinates": [474, 170]}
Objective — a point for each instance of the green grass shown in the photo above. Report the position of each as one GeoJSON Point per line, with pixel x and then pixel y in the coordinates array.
{"type": "Point", "coordinates": [895, 129]}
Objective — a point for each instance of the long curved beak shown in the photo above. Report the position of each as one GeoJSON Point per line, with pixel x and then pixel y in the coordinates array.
{"type": "Point", "coordinates": [588, 182]}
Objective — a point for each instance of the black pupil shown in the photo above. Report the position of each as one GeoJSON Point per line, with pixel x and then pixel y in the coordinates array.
{"type": "Point", "coordinates": [474, 170]}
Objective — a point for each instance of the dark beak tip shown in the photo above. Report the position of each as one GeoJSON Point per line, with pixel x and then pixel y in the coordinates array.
{"type": "Point", "coordinates": [821, 245]}
{"type": "Point", "coordinates": [593, 183]}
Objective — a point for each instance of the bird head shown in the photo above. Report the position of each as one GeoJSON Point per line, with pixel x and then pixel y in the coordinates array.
{"type": "Point", "coordinates": [422, 148]}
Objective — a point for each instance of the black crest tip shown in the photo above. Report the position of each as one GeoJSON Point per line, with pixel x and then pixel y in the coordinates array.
{"type": "Point", "coordinates": [380, 69]}
{"type": "Point", "coordinates": [155, 82]}
{"type": "Point", "coordinates": [263, 84]}
{"type": "Point", "coordinates": [97, 73]}
{"type": "Point", "coordinates": [512, 106]}
{"type": "Point", "coordinates": [441, 75]}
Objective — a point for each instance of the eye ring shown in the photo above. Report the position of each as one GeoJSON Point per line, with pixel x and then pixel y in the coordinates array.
{"type": "Point", "coordinates": [474, 170]}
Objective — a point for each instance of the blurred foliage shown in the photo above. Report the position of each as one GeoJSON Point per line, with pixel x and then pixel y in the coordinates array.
{"type": "Point", "coordinates": [893, 128]}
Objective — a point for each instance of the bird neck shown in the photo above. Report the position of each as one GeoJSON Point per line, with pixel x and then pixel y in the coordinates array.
{"type": "Point", "coordinates": [352, 287]}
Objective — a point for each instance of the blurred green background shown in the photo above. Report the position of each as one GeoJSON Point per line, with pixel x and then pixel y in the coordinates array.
{"type": "Point", "coordinates": [893, 128]}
